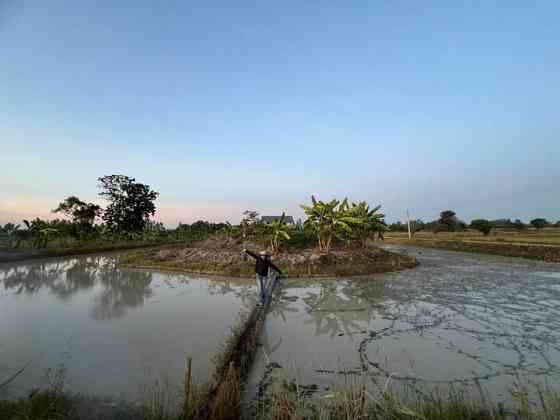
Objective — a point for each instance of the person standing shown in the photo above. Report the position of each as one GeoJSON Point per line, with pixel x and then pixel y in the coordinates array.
{"type": "Point", "coordinates": [263, 265]}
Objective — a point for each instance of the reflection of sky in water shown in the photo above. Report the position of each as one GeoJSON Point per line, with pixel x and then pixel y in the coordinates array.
{"type": "Point", "coordinates": [113, 330]}
{"type": "Point", "coordinates": [552, 275]}
{"type": "Point", "coordinates": [455, 319]}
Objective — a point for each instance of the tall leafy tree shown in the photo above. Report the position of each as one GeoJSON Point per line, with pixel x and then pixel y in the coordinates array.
{"type": "Point", "coordinates": [448, 220]}
{"type": "Point", "coordinates": [131, 203]}
{"type": "Point", "coordinates": [80, 212]}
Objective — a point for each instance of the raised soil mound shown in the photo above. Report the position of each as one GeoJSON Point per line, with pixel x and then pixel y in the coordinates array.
{"type": "Point", "coordinates": [225, 257]}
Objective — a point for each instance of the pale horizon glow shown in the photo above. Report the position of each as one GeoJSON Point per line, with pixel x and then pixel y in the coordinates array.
{"type": "Point", "coordinates": [223, 107]}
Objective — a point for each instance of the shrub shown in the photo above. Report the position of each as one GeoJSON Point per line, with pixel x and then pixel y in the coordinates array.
{"type": "Point", "coordinates": [482, 225]}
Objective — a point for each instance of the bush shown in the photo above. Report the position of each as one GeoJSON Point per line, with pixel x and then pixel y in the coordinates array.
{"type": "Point", "coordinates": [482, 225]}
{"type": "Point", "coordinates": [539, 223]}
{"type": "Point", "coordinates": [300, 239]}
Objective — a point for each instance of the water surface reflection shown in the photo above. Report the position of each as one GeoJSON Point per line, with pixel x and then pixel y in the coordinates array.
{"type": "Point", "coordinates": [114, 331]}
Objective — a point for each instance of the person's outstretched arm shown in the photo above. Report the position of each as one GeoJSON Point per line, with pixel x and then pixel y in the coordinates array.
{"type": "Point", "coordinates": [252, 254]}
{"type": "Point", "coordinates": [276, 268]}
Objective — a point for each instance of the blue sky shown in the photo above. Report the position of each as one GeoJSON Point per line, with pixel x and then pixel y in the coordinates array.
{"type": "Point", "coordinates": [227, 106]}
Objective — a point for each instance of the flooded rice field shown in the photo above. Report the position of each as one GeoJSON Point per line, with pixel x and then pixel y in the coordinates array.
{"type": "Point", "coordinates": [110, 331]}
{"type": "Point", "coordinates": [475, 322]}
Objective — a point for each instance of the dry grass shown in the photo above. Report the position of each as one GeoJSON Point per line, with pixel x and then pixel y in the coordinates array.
{"type": "Point", "coordinates": [546, 236]}
{"type": "Point", "coordinates": [352, 399]}
{"type": "Point", "coordinates": [540, 245]}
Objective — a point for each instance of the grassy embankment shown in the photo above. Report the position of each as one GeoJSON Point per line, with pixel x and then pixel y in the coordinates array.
{"type": "Point", "coordinates": [348, 399]}
{"type": "Point", "coordinates": [70, 247]}
{"type": "Point", "coordinates": [79, 248]}
{"type": "Point", "coordinates": [541, 245]}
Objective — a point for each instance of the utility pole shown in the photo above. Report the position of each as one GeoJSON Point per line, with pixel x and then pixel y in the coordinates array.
{"type": "Point", "coordinates": [408, 222]}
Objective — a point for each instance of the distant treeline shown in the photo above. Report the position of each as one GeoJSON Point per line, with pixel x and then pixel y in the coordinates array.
{"type": "Point", "coordinates": [449, 222]}
{"type": "Point", "coordinates": [127, 217]}
{"type": "Point", "coordinates": [131, 206]}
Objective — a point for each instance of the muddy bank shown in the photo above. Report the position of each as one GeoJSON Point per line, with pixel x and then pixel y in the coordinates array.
{"type": "Point", "coordinates": [12, 255]}
{"type": "Point", "coordinates": [548, 253]}
{"type": "Point", "coordinates": [225, 257]}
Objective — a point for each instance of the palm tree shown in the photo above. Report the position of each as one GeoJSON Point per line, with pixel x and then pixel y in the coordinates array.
{"type": "Point", "coordinates": [278, 233]}
{"type": "Point", "coordinates": [328, 220]}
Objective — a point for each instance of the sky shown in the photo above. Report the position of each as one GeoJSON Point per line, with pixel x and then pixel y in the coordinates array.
{"type": "Point", "coordinates": [227, 106]}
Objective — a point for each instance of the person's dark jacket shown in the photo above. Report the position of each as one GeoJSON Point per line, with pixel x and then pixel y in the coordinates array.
{"type": "Point", "coordinates": [262, 264]}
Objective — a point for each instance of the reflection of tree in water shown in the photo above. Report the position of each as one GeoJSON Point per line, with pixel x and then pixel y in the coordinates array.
{"type": "Point", "coordinates": [281, 303]}
{"type": "Point", "coordinates": [243, 289]}
{"type": "Point", "coordinates": [342, 309]}
{"type": "Point", "coordinates": [79, 276]}
{"type": "Point", "coordinates": [121, 290]}
{"type": "Point", "coordinates": [30, 279]}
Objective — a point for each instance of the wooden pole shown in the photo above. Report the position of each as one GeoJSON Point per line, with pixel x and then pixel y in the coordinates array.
{"type": "Point", "coordinates": [408, 222]}
{"type": "Point", "coordinates": [188, 382]}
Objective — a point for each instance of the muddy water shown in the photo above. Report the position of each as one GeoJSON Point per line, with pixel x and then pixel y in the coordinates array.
{"type": "Point", "coordinates": [110, 331]}
{"type": "Point", "coordinates": [479, 322]}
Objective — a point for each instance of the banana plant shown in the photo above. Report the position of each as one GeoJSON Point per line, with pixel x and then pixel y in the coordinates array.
{"type": "Point", "coordinates": [278, 233]}
{"type": "Point", "coordinates": [329, 220]}
{"type": "Point", "coordinates": [12, 233]}
{"type": "Point", "coordinates": [44, 236]}
{"type": "Point", "coordinates": [372, 222]}
{"type": "Point", "coordinates": [39, 232]}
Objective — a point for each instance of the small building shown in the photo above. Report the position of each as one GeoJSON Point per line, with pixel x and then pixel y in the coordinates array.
{"type": "Point", "coordinates": [289, 220]}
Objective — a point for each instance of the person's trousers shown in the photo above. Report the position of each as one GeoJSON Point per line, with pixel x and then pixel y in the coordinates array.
{"type": "Point", "coordinates": [262, 281]}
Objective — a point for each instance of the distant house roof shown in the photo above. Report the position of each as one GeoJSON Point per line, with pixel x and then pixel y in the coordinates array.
{"type": "Point", "coordinates": [269, 219]}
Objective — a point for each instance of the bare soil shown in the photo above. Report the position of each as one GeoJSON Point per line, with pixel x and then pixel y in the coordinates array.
{"type": "Point", "coordinates": [224, 256]}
